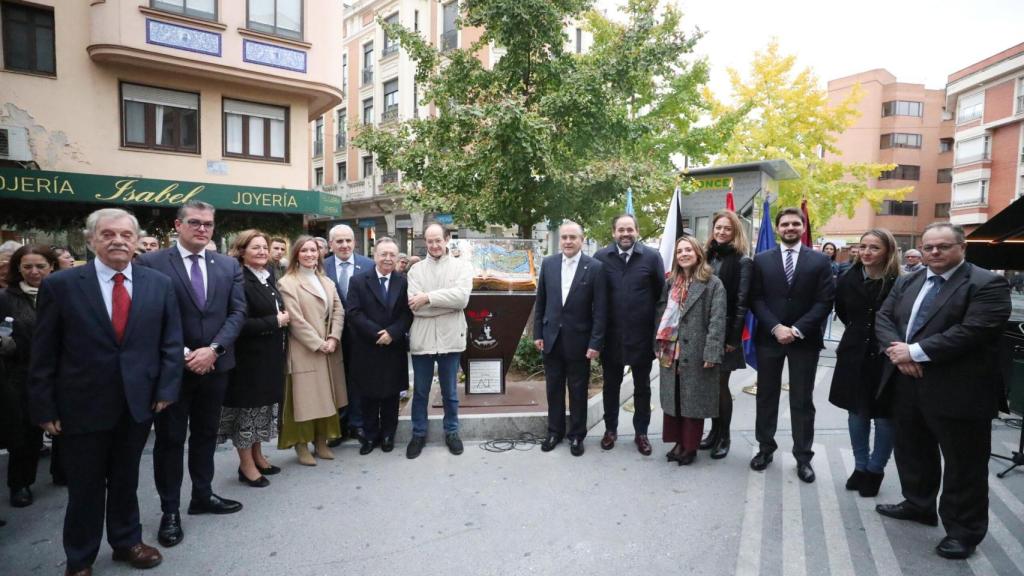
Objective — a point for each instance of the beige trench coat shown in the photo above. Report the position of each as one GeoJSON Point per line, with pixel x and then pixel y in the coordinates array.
{"type": "Point", "coordinates": [318, 379]}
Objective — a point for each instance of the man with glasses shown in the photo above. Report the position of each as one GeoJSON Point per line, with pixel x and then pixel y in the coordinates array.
{"type": "Point", "coordinates": [939, 329]}
{"type": "Point", "coordinates": [211, 298]}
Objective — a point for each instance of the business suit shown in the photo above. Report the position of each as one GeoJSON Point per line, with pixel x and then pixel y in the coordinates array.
{"type": "Point", "coordinates": [382, 372]}
{"type": "Point", "coordinates": [951, 406]}
{"type": "Point", "coordinates": [102, 392]}
{"type": "Point", "coordinates": [351, 415]}
{"type": "Point", "coordinates": [568, 331]}
{"type": "Point", "coordinates": [197, 412]}
{"type": "Point", "coordinates": [802, 305]}
{"type": "Point", "coordinates": [634, 287]}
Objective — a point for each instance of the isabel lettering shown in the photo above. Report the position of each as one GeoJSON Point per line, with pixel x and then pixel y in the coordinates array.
{"type": "Point", "coordinates": [125, 191]}
{"type": "Point", "coordinates": [265, 199]}
{"type": "Point", "coordinates": [35, 185]}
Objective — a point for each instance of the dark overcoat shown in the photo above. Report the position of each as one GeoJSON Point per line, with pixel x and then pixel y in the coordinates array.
{"type": "Point", "coordinates": [379, 371]}
{"type": "Point", "coordinates": [633, 292]}
{"type": "Point", "coordinates": [258, 377]}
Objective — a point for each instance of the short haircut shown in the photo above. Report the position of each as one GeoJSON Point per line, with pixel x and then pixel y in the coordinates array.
{"type": "Point", "coordinates": [387, 240]}
{"type": "Point", "coordinates": [615, 221]}
{"type": "Point", "coordinates": [93, 219]}
{"type": "Point", "coordinates": [279, 240]}
{"type": "Point", "coordinates": [446, 233]}
{"type": "Point", "coordinates": [571, 223]}
{"type": "Point", "coordinates": [242, 241]}
{"type": "Point", "coordinates": [958, 231]}
{"type": "Point", "coordinates": [912, 252]}
{"type": "Point", "coordinates": [194, 205]}
{"type": "Point", "coordinates": [14, 268]}
{"type": "Point", "coordinates": [320, 239]}
{"type": "Point", "coordinates": [791, 211]}
{"type": "Point", "coordinates": [338, 229]}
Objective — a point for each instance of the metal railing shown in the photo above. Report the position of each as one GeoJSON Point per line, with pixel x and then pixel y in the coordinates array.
{"type": "Point", "coordinates": [972, 202]}
{"type": "Point", "coordinates": [390, 114]}
{"type": "Point", "coordinates": [390, 49]}
{"type": "Point", "coordinates": [449, 40]}
{"type": "Point", "coordinates": [340, 140]}
{"type": "Point", "coordinates": [389, 177]}
{"type": "Point", "coordinates": [367, 76]}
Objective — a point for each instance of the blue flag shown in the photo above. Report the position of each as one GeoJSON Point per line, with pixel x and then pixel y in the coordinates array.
{"type": "Point", "coordinates": [765, 241]}
{"type": "Point", "coordinates": [629, 201]}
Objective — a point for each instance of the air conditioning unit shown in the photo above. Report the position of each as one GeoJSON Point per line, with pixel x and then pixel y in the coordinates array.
{"type": "Point", "coordinates": [14, 144]}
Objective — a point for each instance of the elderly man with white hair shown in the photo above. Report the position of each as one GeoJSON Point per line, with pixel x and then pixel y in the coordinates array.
{"type": "Point", "coordinates": [912, 261]}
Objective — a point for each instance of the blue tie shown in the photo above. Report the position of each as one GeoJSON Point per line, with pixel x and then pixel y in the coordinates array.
{"type": "Point", "coordinates": [926, 304]}
{"type": "Point", "coordinates": [384, 288]}
{"type": "Point", "coordinates": [343, 279]}
{"type": "Point", "coordinates": [790, 269]}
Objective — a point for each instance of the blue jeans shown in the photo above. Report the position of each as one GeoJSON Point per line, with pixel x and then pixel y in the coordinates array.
{"type": "Point", "coordinates": [423, 375]}
{"type": "Point", "coordinates": [860, 432]}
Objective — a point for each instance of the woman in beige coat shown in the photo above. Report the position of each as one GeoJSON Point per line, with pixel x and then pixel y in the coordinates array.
{"type": "Point", "coordinates": [315, 387]}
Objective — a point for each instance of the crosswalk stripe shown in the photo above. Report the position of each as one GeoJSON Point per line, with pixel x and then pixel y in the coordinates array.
{"type": "Point", "coordinates": [1005, 539]}
{"type": "Point", "coordinates": [748, 563]}
{"type": "Point", "coordinates": [878, 541]}
{"type": "Point", "coordinates": [837, 546]}
{"type": "Point", "coordinates": [794, 554]}
{"type": "Point", "coordinates": [980, 564]}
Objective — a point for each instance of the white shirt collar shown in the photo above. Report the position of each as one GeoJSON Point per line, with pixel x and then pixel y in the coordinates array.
{"type": "Point", "coordinates": [262, 275]}
{"type": "Point", "coordinates": [106, 273]}
{"type": "Point", "coordinates": [621, 251]}
{"type": "Point", "coordinates": [575, 259]}
{"type": "Point", "coordinates": [796, 248]}
{"type": "Point", "coordinates": [185, 254]}
{"type": "Point", "coordinates": [351, 259]}
{"type": "Point", "coordinates": [379, 275]}
{"type": "Point", "coordinates": [945, 275]}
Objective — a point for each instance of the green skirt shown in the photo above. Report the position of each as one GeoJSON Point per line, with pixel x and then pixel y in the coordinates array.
{"type": "Point", "coordinates": [293, 432]}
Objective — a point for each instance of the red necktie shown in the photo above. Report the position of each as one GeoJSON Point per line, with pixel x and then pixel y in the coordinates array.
{"type": "Point", "coordinates": [121, 304]}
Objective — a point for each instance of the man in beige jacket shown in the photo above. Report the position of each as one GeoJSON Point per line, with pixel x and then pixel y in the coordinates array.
{"type": "Point", "coordinates": [439, 288]}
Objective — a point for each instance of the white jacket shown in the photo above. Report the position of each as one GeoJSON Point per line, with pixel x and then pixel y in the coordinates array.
{"type": "Point", "coordinates": [440, 326]}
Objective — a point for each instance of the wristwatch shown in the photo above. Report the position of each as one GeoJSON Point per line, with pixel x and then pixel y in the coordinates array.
{"type": "Point", "coordinates": [218, 349]}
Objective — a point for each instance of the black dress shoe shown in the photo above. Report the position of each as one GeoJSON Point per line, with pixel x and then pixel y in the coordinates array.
{"type": "Point", "coordinates": [576, 447]}
{"type": "Point", "coordinates": [213, 505]}
{"type": "Point", "coordinates": [870, 484]}
{"type": "Point", "coordinates": [170, 533]}
{"type": "Point", "coordinates": [709, 440]}
{"type": "Point", "coordinates": [387, 443]}
{"type": "Point", "coordinates": [365, 447]}
{"type": "Point", "coordinates": [954, 549]}
{"type": "Point", "coordinates": [608, 440]}
{"type": "Point", "coordinates": [415, 447]}
{"type": "Point", "coordinates": [260, 482]}
{"type": "Point", "coordinates": [721, 448]}
{"type": "Point", "coordinates": [356, 433]}
{"type": "Point", "coordinates": [761, 460]}
{"type": "Point", "coordinates": [269, 470]}
{"type": "Point", "coordinates": [687, 458]}
{"type": "Point", "coordinates": [805, 472]}
{"type": "Point", "coordinates": [907, 511]}
{"type": "Point", "coordinates": [335, 442]}
{"type": "Point", "coordinates": [21, 497]}
{"type": "Point", "coordinates": [549, 443]}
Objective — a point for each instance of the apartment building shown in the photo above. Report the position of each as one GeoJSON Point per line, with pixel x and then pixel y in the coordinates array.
{"type": "Point", "coordinates": [987, 100]}
{"type": "Point", "coordinates": [150, 103]}
{"type": "Point", "coordinates": [906, 125]}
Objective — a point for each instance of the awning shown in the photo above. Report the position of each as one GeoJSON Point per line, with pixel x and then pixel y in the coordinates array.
{"type": "Point", "coordinates": [122, 190]}
{"type": "Point", "coordinates": [999, 243]}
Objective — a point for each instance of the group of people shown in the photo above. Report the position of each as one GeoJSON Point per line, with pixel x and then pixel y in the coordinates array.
{"type": "Point", "coordinates": [918, 358]}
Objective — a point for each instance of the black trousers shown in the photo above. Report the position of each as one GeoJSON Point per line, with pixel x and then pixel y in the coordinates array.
{"type": "Point", "coordinates": [351, 415]}
{"type": "Point", "coordinates": [24, 458]}
{"type": "Point", "coordinates": [612, 371]}
{"type": "Point", "coordinates": [922, 442]}
{"type": "Point", "coordinates": [560, 371]}
{"type": "Point", "coordinates": [103, 484]}
{"type": "Point", "coordinates": [196, 415]}
{"type": "Point", "coordinates": [380, 417]}
{"type": "Point", "coordinates": [803, 365]}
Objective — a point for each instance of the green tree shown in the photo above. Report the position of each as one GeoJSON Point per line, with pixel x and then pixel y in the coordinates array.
{"type": "Point", "coordinates": [547, 134]}
{"type": "Point", "coordinates": [790, 118]}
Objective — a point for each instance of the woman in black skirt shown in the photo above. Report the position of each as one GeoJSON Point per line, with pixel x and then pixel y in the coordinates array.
{"type": "Point", "coordinates": [249, 415]}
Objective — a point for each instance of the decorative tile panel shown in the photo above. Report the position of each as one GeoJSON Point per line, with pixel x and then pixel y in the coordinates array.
{"type": "Point", "coordinates": [182, 37]}
{"type": "Point", "coordinates": [276, 56]}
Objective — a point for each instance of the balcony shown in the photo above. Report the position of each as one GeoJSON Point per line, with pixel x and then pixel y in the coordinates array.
{"type": "Point", "coordinates": [340, 141]}
{"type": "Point", "coordinates": [981, 157]}
{"type": "Point", "coordinates": [367, 76]}
{"type": "Point", "coordinates": [390, 114]}
{"type": "Point", "coordinates": [449, 40]}
{"type": "Point", "coordinates": [318, 148]}
{"type": "Point", "coordinates": [358, 190]}
{"type": "Point", "coordinates": [389, 50]}
{"type": "Point", "coordinates": [389, 177]}
{"type": "Point", "coordinates": [971, 202]}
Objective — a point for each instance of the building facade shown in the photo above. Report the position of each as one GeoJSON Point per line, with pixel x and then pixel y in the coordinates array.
{"type": "Point", "coordinates": [903, 124]}
{"type": "Point", "coordinates": [987, 101]}
{"type": "Point", "coordinates": [152, 102]}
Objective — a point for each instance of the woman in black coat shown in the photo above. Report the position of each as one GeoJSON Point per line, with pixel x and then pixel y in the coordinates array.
{"type": "Point", "coordinates": [857, 377]}
{"type": "Point", "coordinates": [255, 386]}
{"type": "Point", "coordinates": [28, 267]}
{"type": "Point", "coordinates": [727, 253]}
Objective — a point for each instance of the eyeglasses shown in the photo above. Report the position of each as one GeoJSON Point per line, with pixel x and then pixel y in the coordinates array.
{"type": "Point", "coordinates": [939, 247]}
{"type": "Point", "coordinates": [199, 224]}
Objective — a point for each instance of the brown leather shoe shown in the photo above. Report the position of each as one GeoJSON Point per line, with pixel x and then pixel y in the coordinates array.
{"type": "Point", "coordinates": [139, 556]}
{"type": "Point", "coordinates": [608, 441]}
{"type": "Point", "coordinates": [83, 572]}
{"type": "Point", "coordinates": [643, 444]}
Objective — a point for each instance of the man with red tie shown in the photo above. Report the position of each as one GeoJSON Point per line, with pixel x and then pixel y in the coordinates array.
{"type": "Point", "coordinates": [106, 357]}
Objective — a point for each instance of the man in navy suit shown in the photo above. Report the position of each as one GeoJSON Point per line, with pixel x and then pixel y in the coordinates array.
{"type": "Point", "coordinates": [340, 267]}
{"type": "Point", "coordinates": [636, 277]}
{"type": "Point", "coordinates": [106, 356]}
{"type": "Point", "coordinates": [569, 324]}
{"type": "Point", "coordinates": [791, 295]}
{"type": "Point", "coordinates": [211, 297]}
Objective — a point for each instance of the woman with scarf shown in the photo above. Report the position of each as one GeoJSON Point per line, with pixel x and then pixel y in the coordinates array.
{"type": "Point", "coordinates": [689, 344]}
{"type": "Point", "coordinates": [727, 253]}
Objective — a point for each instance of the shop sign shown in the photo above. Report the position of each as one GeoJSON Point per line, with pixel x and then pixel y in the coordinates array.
{"type": "Point", "coordinates": [713, 183]}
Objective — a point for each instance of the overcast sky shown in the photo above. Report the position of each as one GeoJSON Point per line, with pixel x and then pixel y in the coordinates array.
{"type": "Point", "coordinates": [918, 41]}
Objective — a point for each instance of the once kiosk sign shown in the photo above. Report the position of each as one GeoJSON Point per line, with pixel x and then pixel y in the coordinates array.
{"type": "Point", "coordinates": [76, 187]}
{"type": "Point", "coordinates": [713, 183]}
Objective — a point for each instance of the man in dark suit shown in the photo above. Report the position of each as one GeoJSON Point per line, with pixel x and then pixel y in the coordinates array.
{"type": "Point", "coordinates": [106, 356]}
{"type": "Point", "coordinates": [791, 295]}
{"type": "Point", "coordinates": [569, 324]}
{"type": "Point", "coordinates": [939, 328]}
{"type": "Point", "coordinates": [636, 277]}
{"type": "Point", "coordinates": [380, 317]}
{"type": "Point", "coordinates": [340, 267]}
{"type": "Point", "coordinates": [211, 297]}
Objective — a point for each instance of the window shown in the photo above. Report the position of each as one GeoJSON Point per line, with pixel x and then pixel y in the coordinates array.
{"type": "Point", "coordinates": [944, 176]}
{"type": "Point", "coordinates": [942, 210]}
{"type": "Point", "coordinates": [969, 194]}
{"type": "Point", "coordinates": [341, 130]}
{"type": "Point", "coordinates": [277, 17]}
{"type": "Point", "coordinates": [1020, 96]}
{"type": "Point", "coordinates": [902, 172]}
{"type": "Point", "coordinates": [449, 31]}
{"type": "Point", "coordinates": [318, 176]}
{"type": "Point", "coordinates": [368, 111]}
{"type": "Point", "coordinates": [416, 103]}
{"type": "Point", "coordinates": [970, 108]}
{"type": "Point", "coordinates": [898, 208]}
{"type": "Point", "coordinates": [342, 175]}
{"type": "Point", "coordinates": [254, 130]}
{"type": "Point", "coordinates": [701, 226]}
{"type": "Point", "coordinates": [205, 9]}
{"type": "Point", "coordinates": [390, 44]}
{"type": "Point", "coordinates": [902, 108]}
{"type": "Point", "coordinates": [367, 63]}
{"type": "Point", "coordinates": [972, 150]}
{"type": "Point", "coordinates": [28, 38]}
{"type": "Point", "coordinates": [900, 140]}
{"type": "Point", "coordinates": [367, 166]}
{"type": "Point", "coordinates": [579, 40]}
{"type": "Point", "coordinates": [344, 74]}
{"type": "Point", "coordinates": [318, 137]}
{"type": "Point", "coordinates": [945, 145]}
{"type": "Point", "coordinates": [159, 119]}
{"type": "Point", "coordinates": [415, 20]}
{"type": "Point", "coordinates": [390, 101]}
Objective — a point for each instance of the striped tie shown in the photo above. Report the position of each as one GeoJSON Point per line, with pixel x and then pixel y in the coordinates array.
{"type": "Point", "coordinates": [789, 266]}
